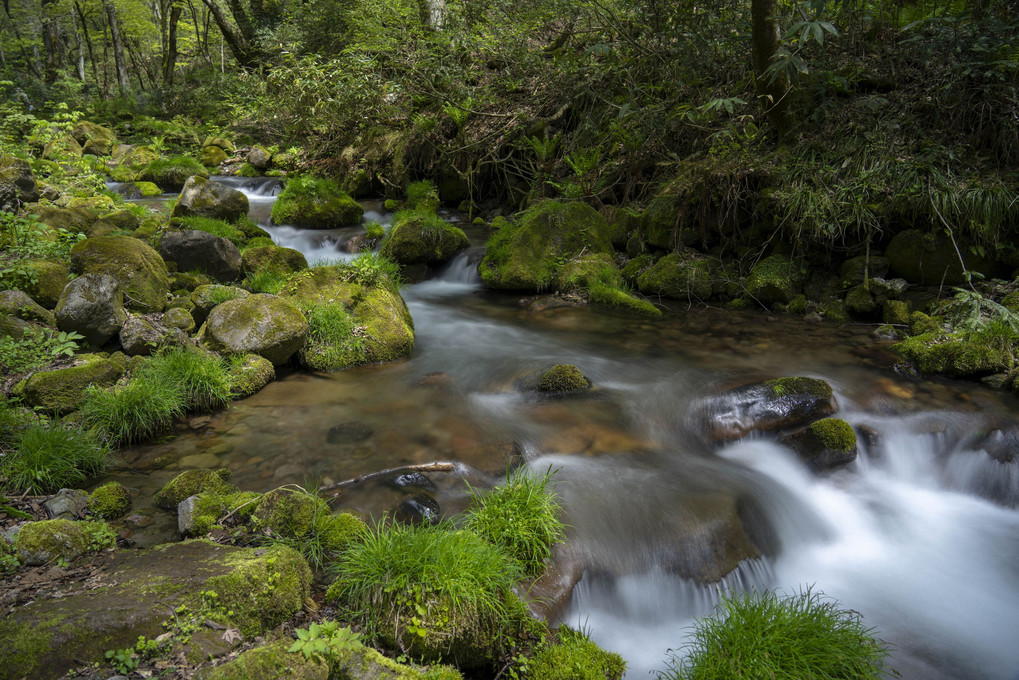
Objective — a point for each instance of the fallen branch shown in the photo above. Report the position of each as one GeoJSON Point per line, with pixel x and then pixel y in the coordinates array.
{"type": "Point", "coordinates": [437, 466]}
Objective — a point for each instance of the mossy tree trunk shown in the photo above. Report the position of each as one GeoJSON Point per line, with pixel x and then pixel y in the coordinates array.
{"type": "Point", "coordinates": [765, 38]}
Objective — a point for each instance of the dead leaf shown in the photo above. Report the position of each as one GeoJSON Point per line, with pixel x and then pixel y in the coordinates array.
{"type": "Point", "coordinates": [233, 636]}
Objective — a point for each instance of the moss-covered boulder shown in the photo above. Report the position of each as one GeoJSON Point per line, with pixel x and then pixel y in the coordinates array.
{"type": "Point", "coordinates": [272, 259]}
{"type": "Point", "coordinates": [262, 324]}
{"type": "Point", "coordinates": [824, 444]}
{"type": "Point", "coordinates": [190, 483]}
{"type": "Point", "coordinates": [259, 157]}
{"type": "Point", "coordinates": [17, 303]}
{"type": "Point", "coordinates": [200, 251]}
{"type": "Point", "coordinates": [110, 501]}
{"type": "Point", "coordinates": [205, 298]}
{"type": "Point", "coordinates": [423, 238]}
{"type": "Point", "coordinates": [377, 328]}
{"type": "Point", "coordinates": [774, 279]}
{"type": "Point", "coordinates": [48, 282]}
{"type": "Point", "coordinates": [93, 306]}
{"type": "Point", "coordinates": [861, 303]}
{"type": "Point", "coordinates": [315, 204]}
{"type": "Point", "coordinates": [170, 174]}
{"type": "Point", "coordinates": [17, 183]}
{"type": "Point", "coordinates": [49, 540]}
{"type": "Point", "coordinates": [249, 373]}
{"type": "Point", "coordinates": [563, 379]}
{"type": "Point", "coordinates": [525, 254]}
{"type": "Point", "coordinates": [117, 220]}
{"type": "Point", "coordinates": [142, 336]}
{"type": "Point", "coordinates": [682, 275]}
{"type": "Point", "coordinates": [147, 189]}
{"type": "Point", "coordinates": [959, 355]}
{"type": "Point", "coordinates": [931, 259]}
{"type": "Point", "coordinates": [179, 317]}
{"type": "Point", "coordinates": [571, 655]}
{"type": "Point", "coordinates": [141, 590]}
{"type": "Point", "coordinates": [78, 220]}
{"type": "Point", "coordinates": [779, 404]}
{"type": "Point", "coordinates": [94, 139]}
{"type": "Point", "coordinates": [64, 147]}
{"type": "Point", "coordinates": [203, 197]}
{"type": "Point", "coordinates": [198, 514]}
{"type": "Point", "coordinates": [212, 156]}
{"type": "Point", "coordinates": [60, 390]}
{"type": "Point", "coordinates": [138, 269]}
{"type": "Point", "coordinates": [221, 142]}
{"type": "Point", "coordinates": [895, 312]}
{"type": "Point", "coordinates": [131, 164]}
{"type": "Point", "coordinates": [269, 662]}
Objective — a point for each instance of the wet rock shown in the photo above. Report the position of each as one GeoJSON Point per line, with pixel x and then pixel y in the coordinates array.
{"type": "Point", "coordinates": [190, 483]}
{"type": "Point", "coordinates": [824, 444]}
{"type": "Point", "coordinates": [418, 238]}
{"type": "Point", "coordinates": [250, 375]}
{"type": "Point", "coordinates": [62, 389]}
{"type": "Point", "coordinates": [778, 404]}
{"type": "Point", "coordinates": [194, 250]}
{"type": "Point", "coordinates": [202, 197]}
{"type": "Point", "coordinates": [548, 595]}
{"type": "Point", "coordinates": [67, 504]}
{"type": "Point", "coordinates": [348, 433]}
{"type": "Point", "coordinates": [563, 379]}
{"type": "Point", "coordinates": [774, 279]}
{"type": "Point", "coordinates": [93, 306]}
{"type": "Point", "coordinates": [1001, 443]}
{"type": "Point", "coordinates": [419, 509]}
{"type": "Point", "coordinates": [259, 157]}
{"type": "Point", "coordinates": [411, 480]}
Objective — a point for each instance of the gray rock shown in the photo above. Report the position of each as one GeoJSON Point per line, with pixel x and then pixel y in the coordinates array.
{"type": "Point", "coordinates": [20, 305]}
{"type": "Point", "coordinates": [67, 504]}
{"type": "Point", "coordinates": [259, 157]}
{"type": "Point", "coordinates": [198, 250]}
{"type": "Point", "coordinates": [186, 515]}
{"type": "Point", "coordinates": [207, 198]}
{"type": "Point", "coordinates": [92, 305]}
{"type": "Point", "coordinates": [141, 337]}
{"type": "Point", "coordinates": [269, 326]}
{"type": "Point", "coordinates": [17, 183]}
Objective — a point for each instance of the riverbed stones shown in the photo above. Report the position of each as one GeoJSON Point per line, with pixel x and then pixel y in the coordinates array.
{"type": "Point", "coordinates": [563, 379]}
{"type": "Point", "coordinates": [62, 389]}
{"type": "Point", "coordinates": [135, 265]}
{"type": "Point", "coordinates": [93, 306]}
{"type": "Point", "coordinates": [824, 444]}
{"type": "Point", "coordinates": [201, 251]}
{"type": "Point", "coordinates": [203, 197]}
{"type": "Point", "coordinates": [779, 404]}
{"type": "Point", "coordinates": [206, 297]}
{"type": "Point", "coordinates": [262, 324]}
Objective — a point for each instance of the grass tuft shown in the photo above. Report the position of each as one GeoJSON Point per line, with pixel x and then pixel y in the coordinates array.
{"type": "Point", "coordinates": [203, 379]}
{"type": "Point", "coordinates": [46, 458]}
{"type": "Point", "coordinates": [132, 412]}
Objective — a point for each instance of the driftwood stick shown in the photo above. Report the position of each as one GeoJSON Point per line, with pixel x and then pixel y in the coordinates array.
{"type": "Point", "coordinates": [437, 466]}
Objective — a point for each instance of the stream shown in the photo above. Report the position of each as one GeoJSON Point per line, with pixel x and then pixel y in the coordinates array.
{"type": "Point", "coordinates": [920, 535]}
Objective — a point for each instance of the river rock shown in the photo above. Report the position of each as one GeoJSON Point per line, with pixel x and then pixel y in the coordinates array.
{"type": "Point", "coordinates": [139, 591]}
{"type": "Point", "coordinates": [931, 259]}
{"type": "Point", "coordinates": [194, 250]}
{"type": "Point", "coordinates": [94, 139]}
{"type": "Point", "coordinates": [348, 433]}
{"type": "Point", "coordinates": [683, 275]}
{"type": "Point", "coordinates": [207, 198]}
{"type": "Point", "coordinates": [775, 279]}
{"type": "Point", "coordinates": [206, 297]}
{"type": "Point", "coordinates": [67, 504]}
{"type": "Point", "coordinates": [92, 305]}
{"type": "Point", "coordinates": [138, 269]}
{"type": "Point", "coordinates": [273, 259]}
{"type": "Point", "coordinates": [824, 444]}
{"type": "Point", "coordinates": [259, 157]}
{"type": "Point", "coordinates": [548, 595]}
{"type": "Point", "coordinates": [778, 404]}
{"type": "Point", "coordinates": [418, 238]}
{"type": "Point", "coordinates": [18, 304]}
{"type": "Point", "coordinates": [315, 204]}
{"type": "Point", "coordinates": [62, 389]}
{"type": "Point", "coordinates": [141, 336]}
{"type": "Point", "coordinates": [419, 509]}
{"type": "Point", "coordinates": [563, 379]}
{"type": "Point", "coordinates": [262, 324]}
{"type": "Point", "coordinates": [190, 483]}
{"type": "Point", "coordinates": [250, 374]}
{"type": "Point", "coordinates": [411, 480]}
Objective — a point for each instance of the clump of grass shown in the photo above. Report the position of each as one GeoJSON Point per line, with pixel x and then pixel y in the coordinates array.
{"type": "Point", "coordinates": [202, 378]}
{"type": "Point", "coordinates": [332, 341]}
{"type": "Point", "coordinates": [423, 196]}
{"type": "Point", "coordinates": [215, 227]}
{"type": "Point", "coordinates": [374, 231]}
{"type": "Point", "coordinates": [760, 635]}
{"type": "Point", "coordinates": [266, 281]}
{"type": "Point", "coordinates": [132, 412]}
{"type": "Point", "coordinates": [521, 517]}
{"type": "Point", "coordinates": [45, 458]}
{"type": "Point", "coordinates": [372, 269]}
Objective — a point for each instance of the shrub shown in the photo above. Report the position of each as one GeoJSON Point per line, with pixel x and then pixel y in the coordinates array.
{"type": "Point", "coordinates": [36, 348]}
{"type": "Point", "coordinates": [46, 458]}
{"type": "Point", "coordinates": [520, 517]}
{"type": "Point", "coordinates": [128, 413]}
{"type": "Point", "coordinates": [760, 635]}
{"type": "Point", "coordinates": [202, 378]}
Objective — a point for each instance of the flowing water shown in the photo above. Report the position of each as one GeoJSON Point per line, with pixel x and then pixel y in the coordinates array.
{"type": "Point", "coordinates": [920, 535]}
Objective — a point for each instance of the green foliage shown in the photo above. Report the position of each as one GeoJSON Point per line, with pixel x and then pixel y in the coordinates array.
{"type": "Point", "coordinates": [521, 517]}
{"type": "Point", "coordinates": [134, 411]}
{"type": "Point", "coordinates": [35, 349]}
{"type": "Point", "coordinates": [215, 227]}
{"type": "Point", "coordinates": [422, 196]}
{"type": "Point", "coordinates": [47, 457]}
{"type": "Point", "coordinates": [333, 340]}
{"type": "Point", "coordinates": [326, 640]}
{"type": "Point", "coordinates": [573, 656]}
{"type": "Point", "coordinates": [266, 281]}
{"type": "Point", "coordinates": [760, 635]}
{"type": "Point", "coordinates": [372, 269]}
{"type": "Point", "coordinates": [202, 378]}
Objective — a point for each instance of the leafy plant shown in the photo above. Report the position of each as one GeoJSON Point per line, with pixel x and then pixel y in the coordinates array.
{"type": "Point", "coordinates": [760, 635]}
{"type": "Point", "coordinates": [325, 640]}
{"type": "Point", "coordinates": [45, 458]}
{"type": "Point", "coordinates": [36, 348]}
{"type": "Point", "coordinates": [123, 660]}
{"type": "Point", "coordinates": [372, 269]}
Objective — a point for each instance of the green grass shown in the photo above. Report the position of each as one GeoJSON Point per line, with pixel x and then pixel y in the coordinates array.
{"type": "Point", "coordinates": [215, 227]}
{"type": "Point", "coordinates": [423, 196]}
{"type": "Point", "coordinates": [266, 281]}
{"type": "Point", "coordinates": [760, 636]}
{"type": "Point", "coordinates": [46, 458]}
{"type": "Point", "coordinates": [372, 269]}
{"type": "Point", "coordinates": [374, 231]}
{"type": "Point", "coordinates": [521, 517]}
{"type": "Point", "coordinates": [203, 379]}
{"type": "Point", "coordinates": [137, 410]}
{"type": "Point", "coordinates": [332, 343]}
{"type": "Point", "coordinates": [573, 656]}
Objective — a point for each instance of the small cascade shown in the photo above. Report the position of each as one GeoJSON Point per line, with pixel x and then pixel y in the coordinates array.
{"type": "Point", "coordinates": [463, 268]}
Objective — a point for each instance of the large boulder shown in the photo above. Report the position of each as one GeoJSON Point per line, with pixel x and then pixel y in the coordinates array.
{"type": "Point", "coordinates": [46, 541]}
{"type": "Point", "coordinates": [779, 404]}
{"type": "Point", "coordinates": [257, 589]}
{"type": "Point", "coordinates": [824, 444]}
{"type": "Point", "coordinates": [203, 197]}
{"type": "Point", "coordinates": [60, 390]}
{"type": "Point", "coordinates": [273, 259]}
{"type": "Point", "coordinates": [421, 238]}
{"type": "Point", "coordinates": [774, 279]}
{"type": "Point", "coordinates": [17, 183]}
{"type": "Point", "coordinates": [194, 250]}
{"type": "Point", "coordinates": [932, 259]}
{"type": "Point", "coordinates": [94, 139]}
{"type": "Point", "coordinates": [525, 254]}
{"type": "Point", "coordinates": [77, 219]}
{"type": "Point", "coordinates": [262, 324]}
{"type": "Point", "coordinates": [64, 147]}
{"type": "Point", "coordinates": [212, 156]}
{"type": "Point", "coordinates": [170, 174]}
{"type": "Point", "coordinates": [259, 157]}
{"type": "Point", "coordinates": [206, 297]}
{"type": "Point", "coordinates": [138, 269]}
{"type": "Point", "coordinates": [140, 336]}
{"type": "Point", "coordinates": [958, 355]}
{"type": "Point", "coordinates": [92, 305]}
{"type": "Point", "coordinates": [316, 204]}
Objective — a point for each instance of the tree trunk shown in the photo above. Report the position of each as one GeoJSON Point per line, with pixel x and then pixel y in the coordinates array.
{"type": "Point", "coordinates": [50, 40]}
{"type": "Point", "coordinates": [765, 39]}
{"type": "Point", "coordinates": [170, 54]}
{"type": "Point", "coordinates": [88, 41]}
{"type": "Point", "coordinates": [118, 47]}
{"type": "Point", "coordinates": [81, 56]}
{"type": "Point", "coordinates": [235, 39]}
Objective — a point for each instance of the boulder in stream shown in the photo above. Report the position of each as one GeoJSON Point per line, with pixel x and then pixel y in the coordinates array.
{"type": "Point", "coordinates": [266, 325]}
{"type": "Point", "coordinates": [203, 197]}
{"type": "Point", "coordinates": [201, 251]}
{"type": "Point", "coordinates": [423, 239]}
{"type": "Point", "coordinates": [63, 389]}
{"type": "Point", "coordinates": [315, 204]}
{"type": "Point", "coordinates": [824, 444]}
{"type": "Point", "coordinates": [136, 266]}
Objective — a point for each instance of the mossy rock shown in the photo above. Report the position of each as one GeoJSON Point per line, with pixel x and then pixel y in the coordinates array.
{"type": "Point", "coordinates": [212, 156]}
{"type": "Point", "coordinates": [774, 279]}
{"type": "Point", "coordinates": [94, 138]}
{"type": "Point", "coordinates": [63, 389]}
{"type": "Point", "coordinates": [148, 189]}
{"type": "Point", "coordinates": [132, 164]}
{"type": "Point", "coordinates": [272, 258]}
{"type": "Point", "coordinates": [860, 302]}
{"type": "Point", "coordinates": [683, 275]}
{"type": "Point", "coordinates": [525, 254]}
{"type": "Point", "coordinates": [222, 142]}
{"type": "Point", "coordinates": [124, 220]}
{"type": "Point", "coordinates": [895, 312]}
{"type": "Point", "coordinates": [632, 270]}
{"type": "Point", "coordinates": [578, 273]}
{"type": "Point", "coordinates": [49, 540]}
{"type": "Point", "coordinates": [141, 590]}
{"type": "Point", "coordinates": [920, 323]}
{"type": "Point", "coordinates": [287, 512]}
{"type": "Point", "coordinates": [259, 158]}
{"type": "Point", "coordinates": [198, 514]}
{"type": "Point", "coordinates": [269, 662]}
{"type": "Point", "coordinates": [17, 183]}
{"type": "Point", "coordinates": [178, 317]}
{"type": "Point", "coordinates": [110, 501]}
{"type": "Point", "coordinates": [206, 297]}
{"type": "Point", "coordinates": [249, 374]}
{"type": "Point", "coordinates": [262, 324]}
{"type": "Point", "coordinates": [65, 147]}
{"type": "Point", "coordinates": [825, 444]}
{"type": "Point", "coordinates": [18, 304]}
{"type": "Point", "coordinates": [202, 197]}
{"type": "Point", "coordinates": [957, 355]}
{"type": "Point", "coordinates": [853, 271]}
{"type": "Point", "coordinates": [315, 204]}
{"type": "Point", "coordinates": [190, 483]}
{"type": "Point", "coordinates": [418, 237]}
{"type": "Point", "coordinates": [135, 265]}
{"type": "Point", "coordinates": [779, 404]}
{"type": "Point", "coordinates": [76, 220]}
{"type": "Point", "coordinates": [931, 259]}
{"type": "Point", "coordinates": [423, 196]}
{"type": "Point", "coordinates": [563, 379]}
{"type": "Point", "coordinates": [573, 656]}
{"type": "Point", "coordinates": [170, 174]}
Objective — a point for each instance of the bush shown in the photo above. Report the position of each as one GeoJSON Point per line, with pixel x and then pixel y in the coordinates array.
{"type": "Point", "coordinates": [36, 348]}
{"type": "Point", "coordinates": [760, 635]}
{"type": "Point", "coordinates": [128, 413]}
{"type": "Point", "coordinates": [46, 458]}
{"type": "Point", "coordinates": [521, 517]}
{"type": "Point", "coordinates": [202, 378]}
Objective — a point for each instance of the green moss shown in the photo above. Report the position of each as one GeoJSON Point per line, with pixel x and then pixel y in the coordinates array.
{"type": "Point", "coordinates": [637, 266]}
{"type": "Point", "coordinates": [420, 237]}
{"type": "Point", "coordinates": [110, 501]}
{"type": "Point", "coordinates": [212, 156]}
{"type": "Point", "coordinates": [23, 647]}
{"type": "Point", "coordinates": [188, 281]}
{"type": "Point", "coordinates": [798, 305]}
{"type": "Point", "coordinates": [681, 276]}
{"type": "Point", "coordinates": [179, 317]}
{"type": "Point", "coordinates": [860, 301]}
{"type": "Point", "coordinates": [190, 483]}
{"type": "Point", "coordinates": [136, 266]}
{"type": "Point", "coordinates": [573, 656]}
{"type": "Point", "coordinates": [213, 226]}
{"type": "Point", "coordinates": [64, 389]}
{"type": "Point", "coordinates": [316, 204]}
{"type": "Point", "coordinates": [273, 258]}
{"type": "Point", "coordinates": [895, 312]}
{"type": "Point", "coordinates": [49, 540]}
{"type": "Point", "coordinates": [336, 532]}
{"type": "Point", "coordinates": [373, 231]}
{"type": "Point", "coordinates": [148, 189]}
{"type": "Point", "coordinates": [47, 279]}
{"type": "Point", "coordinates": [617, 297]}
{"type": "Point", "coordinates": [833, 310]}
{"type": "Point", "coordinates": [270, 662]}
{"type": "Point", "coordinates": [580, 272]}
{"type": "Point", "coordinates": [834, 434]}
{"type": "Point", "coordinates": [957, 354]}
{"type": "Point", "coordinates": [210, 506]}
{"type": "Point", "coordinates": [249, 373]}
{"type": "Point", "coordinates": [814, 387]}
{"type": "Point", "coordinates": [171, 173]}
{"type": "Point", "coordinates": [423, 196]}
{"type": "Point", "coordinates": [774, 279]}
{"type": "Point", "coordinates": [264, 592]}
{"type": "Point", "coordinates": [920, 324]}
{"type": "Point", "coordinates": [563, 378]}
{"type": "Point", "coordinates": [287, 512]}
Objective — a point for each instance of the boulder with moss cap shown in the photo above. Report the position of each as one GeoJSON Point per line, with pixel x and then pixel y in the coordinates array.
{"type": "Point", "coordinates": [206, 297]}
{"type": "Point", "coordinates": [46, 541]}
{"type": "Point", "coordinates": [110, 501]}
{"type": "Point", "coordinates": [249, 373]}
{"type": "Point", "coordinates": [94, 138]}
{"type": "Point", "coordinates": [779, 404]}
{"type": "Point", "coordinates": [203, 197]}
{"type": "Point", "coordinates": [422, 238]}
{"type": "Point", "coordinates": [50, 277]}
{"type": "Point", "coordinates": [774, 279]}
{"type": "Point", "coordinates": [316, 204]}
{"type": "Point", "coordinates": [138, 269]}
{"type": "Point", "coordinates": [824, 444]}
{"type": "Point", "coordinates": [17, 183]}
{"type": "Point", "coordinates": [17, 303]}
{"type": "Point", "coordinates": [199, 251]}
{"type": "Point", "coordinates": [262, 324]}
{"type": "Point", "coordinates": [682, 275]}
{"type": "Point", "coordinates": [563, 379]}
{"type": "Point", "coordinates": [190, 483]}
{"type": "Point", "coordinates": [63, 389]}
{"type": "Point", "coordinates": [273, 258]}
